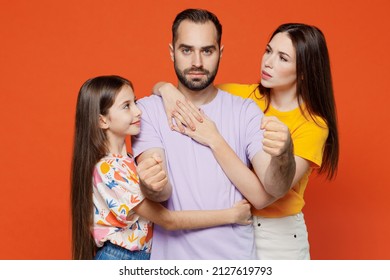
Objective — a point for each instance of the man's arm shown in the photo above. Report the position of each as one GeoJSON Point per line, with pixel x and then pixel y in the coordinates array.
{"type": "Point", "coordinates": [275, 165]}
{"type": "Point", "coordinates": [152, 172]}
{"type": "Point", "coordinates": [245, 180]}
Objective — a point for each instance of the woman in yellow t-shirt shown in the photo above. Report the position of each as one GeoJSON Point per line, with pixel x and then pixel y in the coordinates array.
{"type": "Point", "coordinates": [296, 88]}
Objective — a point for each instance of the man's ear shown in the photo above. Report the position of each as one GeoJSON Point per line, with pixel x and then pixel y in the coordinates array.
{"type": "Point", "coordinates": [172, 52]}
{"type": "Point", "coordinates": [221, 51]}
{"type": "Point", "coordinates": [103, 122]}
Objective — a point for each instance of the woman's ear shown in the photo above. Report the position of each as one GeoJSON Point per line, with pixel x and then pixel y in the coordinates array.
{"type": "Point", "coordinates": [103, 122]}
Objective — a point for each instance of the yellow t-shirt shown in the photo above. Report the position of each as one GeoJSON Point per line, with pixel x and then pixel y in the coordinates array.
{"type": "Point", "coordinates": [308, 138]}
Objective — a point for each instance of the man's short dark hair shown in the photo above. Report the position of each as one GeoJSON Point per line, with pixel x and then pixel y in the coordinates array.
{"type": "Point", "coordinates": [196, 16]}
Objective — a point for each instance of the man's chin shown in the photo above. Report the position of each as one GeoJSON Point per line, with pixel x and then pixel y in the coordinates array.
{"type": "Point", "coordinates": [197, 87]}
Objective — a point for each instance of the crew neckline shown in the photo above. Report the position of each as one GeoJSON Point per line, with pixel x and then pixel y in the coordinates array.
{"type": "Point", "coordinates": [215, 99]}
{"type": "Point", "coordinates": [293, 111]}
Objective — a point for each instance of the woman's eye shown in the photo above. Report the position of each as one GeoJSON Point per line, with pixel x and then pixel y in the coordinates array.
{"type": "Point", "coordinates": [283, 58]}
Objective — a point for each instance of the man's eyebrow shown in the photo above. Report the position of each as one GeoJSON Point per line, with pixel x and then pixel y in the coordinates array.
{"type": "Point", "coordinates": [202, 48]}
{"type": "Point", "coordinates": [209, 47]}
{"type": "Point", "coordinates": [185, 46]}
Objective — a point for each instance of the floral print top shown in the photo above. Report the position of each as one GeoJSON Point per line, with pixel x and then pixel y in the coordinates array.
{"type": "Point", "coordinates": [116, 192]}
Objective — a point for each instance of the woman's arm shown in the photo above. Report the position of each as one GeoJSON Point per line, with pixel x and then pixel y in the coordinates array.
{"type": "Point", "coordinates": [242, 177]}
{"type": "Point", "coordinates": [207, 134]}
{"type": "Point", "coordinates": [262, 188]}
{"type": "Point", "coordinates": [175, 220]}
{"type": "Point", "coordinates": [170, 95]}
{"type": "Point", "coordinates": [302, 165]}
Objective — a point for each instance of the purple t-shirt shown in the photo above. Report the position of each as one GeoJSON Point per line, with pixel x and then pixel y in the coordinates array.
{"type": "Point", "coordinates": [198, 182]}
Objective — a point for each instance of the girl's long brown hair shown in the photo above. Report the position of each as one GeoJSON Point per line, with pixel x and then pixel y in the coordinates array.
{"type": "Point", "coordinates": [314, 85]}
{"type": "Point", "coordinates": [95, 98]}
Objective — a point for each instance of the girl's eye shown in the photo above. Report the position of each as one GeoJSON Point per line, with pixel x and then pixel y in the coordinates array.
{"type": "Point", "coordinates": [127, 106]}
{"type": "Point", "coordinates": [267, 50]}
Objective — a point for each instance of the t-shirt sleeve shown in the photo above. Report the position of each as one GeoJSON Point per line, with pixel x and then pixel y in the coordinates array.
{"type": "Point", "coordinates": [149, 135]}
{"type": "Point", "coordinates": [309, 141]}
{"type": "Point", "coordinates": [253, 133]}
{"type": "Point", "coordinates": [116, 188]}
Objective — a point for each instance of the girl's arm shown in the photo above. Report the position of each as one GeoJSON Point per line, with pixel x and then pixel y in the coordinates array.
{"type": "Point", "coordinates": [175, 220]}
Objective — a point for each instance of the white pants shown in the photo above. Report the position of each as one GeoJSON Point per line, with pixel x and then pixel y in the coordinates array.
{"type": "Point", "coordinates": [281, 238]}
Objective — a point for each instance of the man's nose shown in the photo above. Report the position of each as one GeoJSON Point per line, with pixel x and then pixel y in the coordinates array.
{"type": "Point", "coordinates": [197, 59]}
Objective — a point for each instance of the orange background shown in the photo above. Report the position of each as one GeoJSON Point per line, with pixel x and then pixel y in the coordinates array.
{"type": "Point", "coordinates": [49, 48]}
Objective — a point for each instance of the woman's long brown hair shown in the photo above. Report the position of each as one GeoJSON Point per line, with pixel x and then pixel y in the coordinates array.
{"type": "Point", "coordinates": [314, 85]}
{"type": "Point", "coordinates": [95, 98]}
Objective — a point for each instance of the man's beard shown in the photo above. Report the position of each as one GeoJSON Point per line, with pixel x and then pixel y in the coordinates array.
{"type": "Point", "coordinates": [196, 84]}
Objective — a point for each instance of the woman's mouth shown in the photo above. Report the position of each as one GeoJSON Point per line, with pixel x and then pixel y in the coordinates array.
{"type": "Point", "coordinates": [265, 75]}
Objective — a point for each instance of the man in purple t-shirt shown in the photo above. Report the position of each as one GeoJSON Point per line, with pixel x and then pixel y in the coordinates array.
{"type": "Point", "coordinates": [196, 180]}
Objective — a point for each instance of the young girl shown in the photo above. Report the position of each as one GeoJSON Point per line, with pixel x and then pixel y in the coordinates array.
{"type": "Point", "coordinates": [295, 88]}
{"type": "Point", "coordinates": [111, 219]}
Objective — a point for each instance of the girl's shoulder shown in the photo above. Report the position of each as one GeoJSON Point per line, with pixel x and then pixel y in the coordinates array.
{"type": "Point", "coordinates": [115, 161]}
